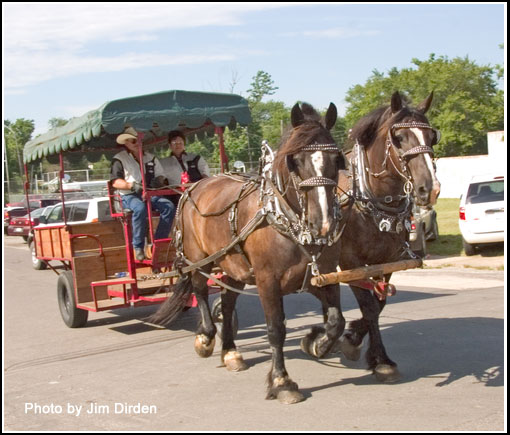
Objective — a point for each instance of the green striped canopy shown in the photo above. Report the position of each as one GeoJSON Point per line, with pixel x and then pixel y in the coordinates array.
{"type": "Point", "coordinates": [154, 114]}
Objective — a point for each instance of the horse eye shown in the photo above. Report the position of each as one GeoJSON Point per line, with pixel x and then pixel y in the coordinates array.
{"type": "Point", "coordinates": [400, 137]}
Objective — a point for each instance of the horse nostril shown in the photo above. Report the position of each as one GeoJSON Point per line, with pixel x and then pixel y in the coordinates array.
{"type": "Point", "coordinates": [423, 192]}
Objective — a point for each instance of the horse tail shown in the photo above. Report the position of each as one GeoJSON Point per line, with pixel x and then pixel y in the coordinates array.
{"type": "Point", "coordinates": [174, 305]}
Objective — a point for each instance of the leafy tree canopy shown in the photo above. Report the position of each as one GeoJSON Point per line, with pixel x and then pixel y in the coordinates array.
{"type": "Point", "coordinates": [467, 103]}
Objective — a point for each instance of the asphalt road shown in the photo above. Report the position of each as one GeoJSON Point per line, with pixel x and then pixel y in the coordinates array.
{"type": "Point", "coordinates": [444, 328]}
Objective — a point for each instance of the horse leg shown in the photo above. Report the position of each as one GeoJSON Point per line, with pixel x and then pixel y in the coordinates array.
{"type": "Point", "coordinates": [320, 340]}
{"type": "Point", "coordinates": [385, 370]}
{"type": "Point", "coordinates": [280, 385]}
{"type": "Point", "coordinates": [230, 356]}
{"type": "Point", "coordinates": [206, 332]}
{"type": "Point", "coordinates": [352, 341]}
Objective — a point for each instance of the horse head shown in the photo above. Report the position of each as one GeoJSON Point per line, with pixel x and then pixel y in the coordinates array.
{"type": "Point", "coordinates": [309, 160]}
{"type": "Point", "coordinates": [398, 141]}
{"type": "Point", "coordinates": [412, 138]}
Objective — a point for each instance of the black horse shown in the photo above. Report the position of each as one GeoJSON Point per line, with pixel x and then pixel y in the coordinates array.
{"type": "Point", "coordinates": [391, 166]}
{"type": "Point", "coordinates": [284, 227]}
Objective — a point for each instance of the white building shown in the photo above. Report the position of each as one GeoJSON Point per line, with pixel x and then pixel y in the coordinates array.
{"type": "Point", "coordinates": [455, 172]}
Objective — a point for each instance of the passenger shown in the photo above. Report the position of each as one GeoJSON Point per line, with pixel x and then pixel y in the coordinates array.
{"type": "Point", "coordinates": [180, 162]}
{"type": "Point", "coordinates": [127, 178]}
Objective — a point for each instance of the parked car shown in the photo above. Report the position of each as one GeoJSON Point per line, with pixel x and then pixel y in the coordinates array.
{"type": "Point", "coordinates": [10, 212]}
{"type": "Point", "coordinates": [482, 212]}
{"type": "Point", "coordinates": [18, 209]}
{"type": "Point", "coordinates": [20, 226]}
{"type": "Point", "coordinates": [77, 212]}
{"type": "Point", "coordinates": [423, 228]}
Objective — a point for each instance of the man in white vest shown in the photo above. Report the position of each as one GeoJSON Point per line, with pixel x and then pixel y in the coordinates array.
{"type": "Point", "coordinates": [127, 178]}
{"type": "Point", "coordinates": [181, 162]}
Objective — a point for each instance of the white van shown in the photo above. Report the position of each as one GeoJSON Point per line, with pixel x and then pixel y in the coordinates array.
{"type": "Point", "coordinates": [482, 212]}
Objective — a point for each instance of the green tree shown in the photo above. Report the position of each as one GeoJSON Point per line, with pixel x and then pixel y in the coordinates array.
{"type": "Point", "coordinates": [16, 135]}
{"type": "Point", "coordinates": [267, 118]}
{"type": "Point", "coordinates": [57, 122]}
{"type": "Point", "coordinates": [467, 103]}
{"type": "Point", "coordinates": [261, 86]}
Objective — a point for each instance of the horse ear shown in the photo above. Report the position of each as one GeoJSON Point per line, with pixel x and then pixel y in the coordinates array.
{"type": "Point", "coordinates": [425, 104]}
{"type": "Point", "coordinates": [331, 116]}
{"type": "Point", "coordinates": [396, 102]}
{"type": "Point", "coordinates": [296, 116]}
{"type": "Point", "coordinates": [291, 164]}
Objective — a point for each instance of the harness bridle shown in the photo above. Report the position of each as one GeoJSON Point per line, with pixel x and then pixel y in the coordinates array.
{"type": "Point", "coordinates": [388, 218]}
{"type": "Point", "coordinates": [404, 157]}
{"type": "Point", "coordinates": [279, 212]}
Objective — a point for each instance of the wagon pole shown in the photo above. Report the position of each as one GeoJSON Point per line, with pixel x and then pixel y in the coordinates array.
{"type": "Point", "coordinates": [365, 272]}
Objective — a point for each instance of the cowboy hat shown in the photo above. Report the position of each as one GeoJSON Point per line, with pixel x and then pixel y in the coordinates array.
{"type": "Point", "coordinates": [129, 133]}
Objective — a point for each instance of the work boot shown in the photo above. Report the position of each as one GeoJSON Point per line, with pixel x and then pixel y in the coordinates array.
{"type": "Point", "coordinates": [139, 255]}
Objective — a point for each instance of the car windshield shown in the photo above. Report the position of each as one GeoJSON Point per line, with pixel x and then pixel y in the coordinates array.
{"type": "Point", "coordinates": [56, 214]}
{"type": "Point", "coordinates": [488, 191]}
{"type": "Point", "coordinates": [35, 213]}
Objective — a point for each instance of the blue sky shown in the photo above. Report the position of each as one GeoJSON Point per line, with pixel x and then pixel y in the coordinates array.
{"type": "Point", "coordinates": [63, 59]}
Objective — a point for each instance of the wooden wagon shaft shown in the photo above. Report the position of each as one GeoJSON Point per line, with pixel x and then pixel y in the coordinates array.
{"type": "Point", "coordinates": [364, 272]}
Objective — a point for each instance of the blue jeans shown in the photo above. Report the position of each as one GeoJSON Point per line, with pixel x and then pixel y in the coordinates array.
{"type": "Point", "coordinates": [139, 219]}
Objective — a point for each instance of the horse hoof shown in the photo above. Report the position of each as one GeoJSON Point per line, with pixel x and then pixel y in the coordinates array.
{"type": "Point", "coordinates": [386, 373]}
{"type": "Point", "coordinates": [290, 397]}
{"type": "Point", "coordinates": [308, 346]}
{"type": "Point", "coordinates": [350, 351]}
{"type": "Point", "coordinates": [233, 361]}
{"type": "Point", "coordinates": [204, 346]}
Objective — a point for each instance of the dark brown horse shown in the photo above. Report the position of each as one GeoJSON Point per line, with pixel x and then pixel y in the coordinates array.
{"type": "Point", "coordinates": [284, 226]}
{"type": "Point", "coordinates": [391, 165]}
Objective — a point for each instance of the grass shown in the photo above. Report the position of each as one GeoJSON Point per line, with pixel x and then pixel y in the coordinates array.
{"type": "Point", "coordinates": [449, 242]}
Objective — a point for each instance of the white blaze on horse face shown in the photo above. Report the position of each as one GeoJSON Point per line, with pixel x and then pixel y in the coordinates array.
{"type": "Point", "coordinates": [318, 165]}
{"type": "Point", "coordinates": [436, 185]}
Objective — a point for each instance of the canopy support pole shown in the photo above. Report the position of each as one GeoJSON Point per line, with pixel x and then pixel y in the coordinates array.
{"type": "Point", "coordinates": [223, 154]}
{"type": "Point", "coordinates": [61, 186]}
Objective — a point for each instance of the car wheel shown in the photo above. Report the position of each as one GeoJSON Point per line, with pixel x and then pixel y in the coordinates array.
{"type": "Point", "coordinates": [422, 250]}
{"type": "Point", "coordinates": [36, 263]}
{"type": "Point", "coordinates": [434, 233]}
{"type": "Point", "coordinates": [469, 249]}
{"type": "Point", "coordinates": [73, 317]}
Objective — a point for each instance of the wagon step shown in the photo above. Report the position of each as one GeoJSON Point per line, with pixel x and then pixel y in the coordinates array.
{"type": "Point", "coordinates": [375, 270]}
{"type": "Point", "coordinates": [113, 281]}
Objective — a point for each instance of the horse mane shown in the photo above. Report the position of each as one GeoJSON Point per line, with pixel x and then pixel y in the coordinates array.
{"type": "Point", "coordinates": [376, 124]}
{"type": "Point", "coordinates": [295, 139]}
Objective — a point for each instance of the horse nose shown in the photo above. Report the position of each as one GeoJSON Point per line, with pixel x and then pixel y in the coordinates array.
{"type": "Point", "coordinates": [423, 194]}
{"type": "Point", "coordinates": [320, 229]}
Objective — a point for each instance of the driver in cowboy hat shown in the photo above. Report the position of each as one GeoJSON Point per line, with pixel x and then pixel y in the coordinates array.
{"type": "Point", "coordinates": [127, 178]}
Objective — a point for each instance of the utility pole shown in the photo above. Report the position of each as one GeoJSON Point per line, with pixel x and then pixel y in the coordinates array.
{"type": "Point", "coordinates": [6, 160]}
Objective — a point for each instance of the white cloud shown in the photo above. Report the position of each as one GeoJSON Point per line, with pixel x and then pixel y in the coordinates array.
{"type": "Point", "coordinates": [67, 64]}
{"type": "Point", "coordinates": [340, 33]}
{"type": "Point", "coordinates": [333, 33]}
{"type": "Point", "coordinates": [43, 41]}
